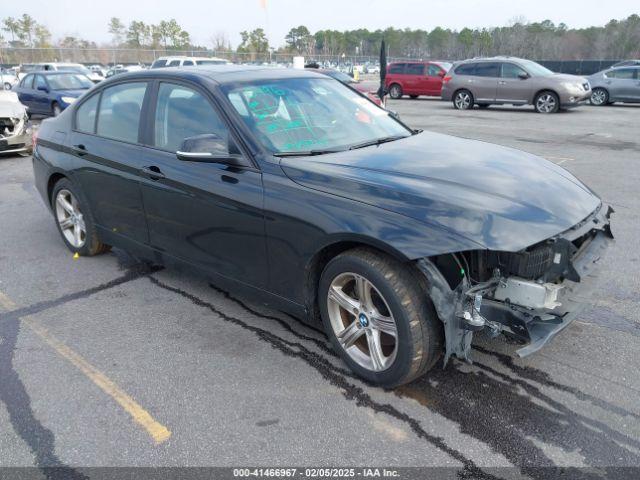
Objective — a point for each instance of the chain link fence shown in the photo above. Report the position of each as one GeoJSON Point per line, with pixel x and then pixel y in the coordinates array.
{"type": "Point", "coordinates": [12, 56]}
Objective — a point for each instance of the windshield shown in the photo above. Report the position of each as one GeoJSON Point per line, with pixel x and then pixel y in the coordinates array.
{"type": "Point", "coordinates": [535, 69]}
{"type": "Point", "coordinates": [69, 81]}
{"type": "Point", "coordinates": [306, 114]}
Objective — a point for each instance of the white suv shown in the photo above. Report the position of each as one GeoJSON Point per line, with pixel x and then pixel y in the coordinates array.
{"type": "Point", "coordinates": [180, 61]}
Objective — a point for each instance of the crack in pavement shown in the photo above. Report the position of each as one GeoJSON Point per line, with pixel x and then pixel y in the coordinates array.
{"type": "Point", "coordinates": [334, 376]}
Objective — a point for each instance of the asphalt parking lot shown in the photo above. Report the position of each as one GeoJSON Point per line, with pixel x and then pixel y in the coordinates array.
{"type": "Point", "coordinates": [104, 362]}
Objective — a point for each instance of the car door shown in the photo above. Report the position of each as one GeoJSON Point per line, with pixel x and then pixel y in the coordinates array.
{"type": "Point", "coordinates": [621, 83]}
{"type": "Point", "coordinates": [41, 100]}
{"type": "Point", "coordinates": [25, 91]}
{"type": "Point", "coordinates": [514, 84]}
{"type": "Point", "coordinates": [208, 214]}
{"type": "Point", "coordinates": [105, 142]}
{"type": "Point", "coordinates": [485, 81]}
{"type": "Point", "coordinates": [433, 80]}
{"type": "Point", "coordinates": [414, 78]}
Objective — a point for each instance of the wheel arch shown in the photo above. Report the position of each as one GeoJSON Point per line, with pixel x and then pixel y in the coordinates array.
{"type": "Point", "coordinates": [330, 249]}
{"type": "Point", "coordinates": [54, 178]}
{"type": "Point", "coordinates": [541, 90]}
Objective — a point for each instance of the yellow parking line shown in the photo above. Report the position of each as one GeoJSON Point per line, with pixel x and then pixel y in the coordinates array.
{"type": "Point", "coordinates": [158, 432]}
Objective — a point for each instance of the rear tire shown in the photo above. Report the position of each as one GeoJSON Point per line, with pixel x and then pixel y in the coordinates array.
{"type": "Point", "coordinates": [463, 100]}
{"type": "Point", "coordinates": [546, 102]}
{"type": "Point", "coordinates": [388, 293]}
{"type": "Point", "coordinates": [599, 97]}
{"type": "Point", "coordinates": [395, 91]}
{"type": "Point", "coordinates": [74, 220]}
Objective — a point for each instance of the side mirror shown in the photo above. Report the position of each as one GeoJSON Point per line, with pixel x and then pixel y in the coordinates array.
{"type": "Point", "coordinates": [210, 148]}
{"type": "Point", "coordinates": [523, 76]}
{"type": "Point", "coordinates": [441, 74]}
{"type": "Point", "coordinates": [44, 89]}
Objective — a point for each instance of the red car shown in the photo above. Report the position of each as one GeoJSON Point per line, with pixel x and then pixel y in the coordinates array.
{"type": "Point", "coordinates": [415, 78]}
{"type": "Point", "coordinates": [366, 88]}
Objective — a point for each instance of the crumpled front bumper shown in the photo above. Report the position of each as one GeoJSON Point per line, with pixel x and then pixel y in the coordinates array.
{"type": "Point", "coordinates": [537, 327]}
{"type": "Point", "coordinates": [17, 141]}
{"type": "Point", "coordinates": [468, 308]}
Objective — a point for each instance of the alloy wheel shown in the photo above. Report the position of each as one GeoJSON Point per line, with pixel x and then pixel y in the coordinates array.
{"type": "Point", "coordinates": [463, 100]}
{"type": "Point", "coordinates": [598, 97]}
{"type": "Point", "coordinates": [546, 103]}
{"type": "Point", "coordinates": [362, 321]}
{"type": "Point", "coordinates": [70, 219]}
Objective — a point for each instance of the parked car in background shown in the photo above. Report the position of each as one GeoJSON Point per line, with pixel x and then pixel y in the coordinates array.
{"type": "Point", "coordinates": [287, 185]}
{"type": "Point", "coordinates": [415, 78]}
{"type": "Point", "coordinates": [182, 61]}
{"type": "Point", "coordinates": [515, 81]}
{"type": "Point", "coordinates": [49, 93]}
{"type": "Point", "coordinates": [620, 84]}
{"type": "Point", "coordinates": [626, 63]}
{"type": "Point", "coordinates": [60, 66]}
{"type": "Point", "coordinates": [8, 79]}
{"type": "Point", "coordinates": [98, 70]}
{"type": "Point", "coordinates": [367, 88]}
{"type": "Point", "coordinates": [118, 69]}
{"type": "Point", "coordinates": [15, 129]}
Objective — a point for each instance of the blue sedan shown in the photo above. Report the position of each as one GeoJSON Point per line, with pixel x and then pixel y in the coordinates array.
{"type": "Point", "coordinates": [49, 93]}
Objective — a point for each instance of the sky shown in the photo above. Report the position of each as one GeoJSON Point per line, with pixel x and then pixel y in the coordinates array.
{"type": "Point", "coordinates": [204, 18]}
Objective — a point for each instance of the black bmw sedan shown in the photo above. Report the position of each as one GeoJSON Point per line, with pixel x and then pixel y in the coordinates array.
{"type": "Point", "coordinates": [289, 186]}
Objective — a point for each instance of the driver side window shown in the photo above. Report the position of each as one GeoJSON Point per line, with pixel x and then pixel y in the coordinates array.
{"type": "Point", "coordinates": [182, 112]}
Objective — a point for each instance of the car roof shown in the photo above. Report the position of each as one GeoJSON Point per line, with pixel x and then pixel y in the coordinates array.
{"type": "Point", "coordinates": [48, 73]}
{"type": "Point", "coordinates": [224, 74]}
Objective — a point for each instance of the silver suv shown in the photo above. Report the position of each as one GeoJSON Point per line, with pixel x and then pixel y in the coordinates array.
{"type": "Point", "coordinates": [515, 81]}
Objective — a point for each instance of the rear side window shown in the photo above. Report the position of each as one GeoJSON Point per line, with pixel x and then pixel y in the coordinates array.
{"type": "Point", "coordinates": [174, 63]}
{"type": "Point", "coordinates": [397, 68]}
{"type": "Point", "coordinates": [466, 69]}
{"type": "Point", "coordinates": [86, 115]}
{"type": "Point", "coordinates": [187, 63]}
{"type": "Point", "coordinates": [27, 82]}
{"type": "Point", "coordinates": [181, 113]}
{"type": "Point", "coordinates": [119, 116]}
{"type": "Point", "coordinates": [415, 69]}
{"type": "Point", "coordinates": [622, 73]}
{"type": "Point", "coordinates": [487, 70]}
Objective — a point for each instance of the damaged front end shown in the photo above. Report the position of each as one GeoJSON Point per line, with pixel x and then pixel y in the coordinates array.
{"type": "Point", "coordinates": [530, 295]}
{"type": "Point", "coordinates": [15, 128]}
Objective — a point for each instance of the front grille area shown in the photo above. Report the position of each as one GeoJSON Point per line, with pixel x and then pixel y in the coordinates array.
{"type": "Point", "coordinates": [529, 264]}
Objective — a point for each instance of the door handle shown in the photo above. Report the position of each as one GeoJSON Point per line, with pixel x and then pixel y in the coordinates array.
{"type": "Point", "coordinates": [80, 149]}
{"type": "Point", "coordinates": [152, 172]}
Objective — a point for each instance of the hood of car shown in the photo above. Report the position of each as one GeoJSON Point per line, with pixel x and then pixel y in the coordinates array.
{"type": "Point", "coordinates": [10, 106]}
{"type": "Point", "coordinates": [500, 198]}
{"type": "Point", "coordinates": [565, 77]}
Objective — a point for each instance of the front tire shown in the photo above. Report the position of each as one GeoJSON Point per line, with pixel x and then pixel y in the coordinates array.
{"type": "Point", "coordinates": [74, 220]}
{"type": "Point", "coordinates": [599, 97]}
{"type": "Point", "coordinates": [547, 102]}
{"type": "Point", "coordinates": [395, 91]}
{"type": "Point", "coordinates": [463, 100]}
{"type": "Point", "coordinates": [378, 318]}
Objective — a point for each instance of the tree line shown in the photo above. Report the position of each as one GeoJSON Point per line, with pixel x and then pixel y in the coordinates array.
{"type": "Point", "coordinates": [538, 40]}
